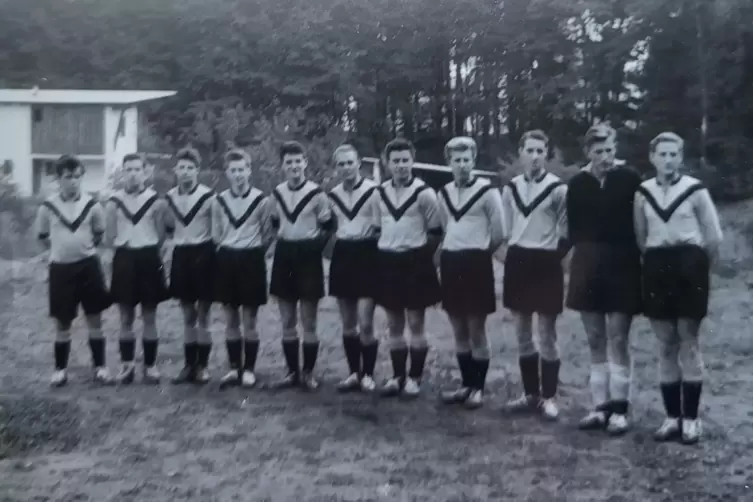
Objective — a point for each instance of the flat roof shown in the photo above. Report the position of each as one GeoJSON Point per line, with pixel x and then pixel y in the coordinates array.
{"type": "Point", "coordinates": [435, 167]}
{"type": "Point", "coordinates": [80, 96]}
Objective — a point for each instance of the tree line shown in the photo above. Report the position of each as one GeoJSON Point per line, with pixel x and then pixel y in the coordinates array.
{"type": "Point", "coordinates": [259, 70]}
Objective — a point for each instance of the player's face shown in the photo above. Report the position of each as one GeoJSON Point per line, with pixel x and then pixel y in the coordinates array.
{"type": "Point", "coordinates": [667, 159]}
{"type": "Point", "coordinates": [400, 163]}
{"type": "Point", "coordinates": [348, 164]}
{"type": "Point", "coordinates": [294, 166]}
{"type": "Point", "coordinates": [238, 173]}
{"type": "Point", "coordinates": [533, 155]}
{"type": "Point", "coordinates": [70, 182]}
{"type": "Point", "coordinates": [462, 164]}
{"type": "Point", "coordinates": [134, 173]}
{"type": "Point", "coordinates": [187, 173]}
{"type": "Point", "coordinates": [602, 154]}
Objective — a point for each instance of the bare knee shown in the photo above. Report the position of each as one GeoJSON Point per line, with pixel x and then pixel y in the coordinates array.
{"type": "Point", "coordinates": [594, 325]}
{"type": "Point", "coordinates": [190, 314]}
{"type": "Point", "coordinates": [548, 338]}
{"type": "Point", "coordinates": [691, 361]}
{"type": "Point", "coordinates": [349, 316]}
{"type": "Point", "coordinates": [416, 322]}
{"type": "Point", "coordinates": [202, 313]}
{"type": "Point", "coordinates": [524, 332]}
{"type": "Point", "coordinates": [309, 311]}
{"type": "Point", "coordinates": [127, 317]}
{"type": "Point", "coordinates": [94, 322]}
{"type": "Point", "coordinates": [461, 333]}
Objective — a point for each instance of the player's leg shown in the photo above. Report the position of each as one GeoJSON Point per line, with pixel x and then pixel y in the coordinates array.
{"type": "Point", "coordinates": [369, 343]}
{"type": "Point", "coordinates": [203, 341]}
{"type": "Point", "coordinates": [290, 342]}
{"type": "Point", "coordinates": [97, 346]}
{"type": "Point", "coordinates": [234, 346]}
{"type": "Point", "coordinates": [418, 350]}
{"type": "Point", "coordinates": [480, 355]}
{"type": "Point", "coordinates": [127, 344]}
{"type": "Point", "coordinates": [464, 358]}
{"type": "Point", "coordinates": [249, 315]}
{"type": "Point", "coordinates": [692, 366]}
{"type": "Point", "coordinates": [351, 343]}
{"type": "Point", "coordinates": [190, 346]}
{"type": "Point", "coordinates": [595, 326]}
{"type": "Point", "coordinates": [62, 352]}
{"type": "Point", "coordinates": [150, 343]}
{"type": "Point", "coordinates": [670, 377]}
{"type": "Point", "coordinates": [309, 311]}
{"type": "Point", "coordinates": [620, 370]}
{"type": "Point", "coordinates": [550, 364]}
{"type": "Point", "coordinates": [398, 352]}
{"type": "Point", "coordinates": [528, 361]}
{"type": "Point", "coordinates": [94, 297]}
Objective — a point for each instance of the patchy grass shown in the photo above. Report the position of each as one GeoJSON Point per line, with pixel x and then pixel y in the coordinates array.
{"type": "Point", "coordinates": [172, 444]}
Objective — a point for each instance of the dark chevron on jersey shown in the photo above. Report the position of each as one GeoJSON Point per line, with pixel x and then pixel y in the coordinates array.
{"type": "Point", "coordinates": [666, 213]}
{"type": "Point", "coordinates": [135, 218]}
{"type": "Point", "coordinates": [237, 223]}
{"type": "Point", "coordinates": [528, 209]}
{"type": "Point", "coordinates": [398, 213]}
{"type": "Point", "coordinates": [188, 218]}
{"type": "Point", "coordinates": [459, 213]}
{"type": "Point", "coordinates": [75, 224]}
{"type": "Point", "coordinates": [351, 213]}
{"type": "Point", "coordinates": [298, 209]}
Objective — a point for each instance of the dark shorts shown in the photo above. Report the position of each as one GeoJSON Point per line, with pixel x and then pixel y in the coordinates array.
{"type": "Point", "coordinates": [533, 281]}
{"type": "Point", "coordinates": [352, 273]}
{"type": "Point", "coordinates": [241, 277]}
{"type": "Point", "coordinates": [676, 283]}
{"type": "Point", "coordinates": [605, 278]}
{"type": "Point", "coordinates": [408, 279]}
{"type": "Point", "coordinates": [79, 283]}
{"type": "Point", "coordinates": [297, 272]}
{"type": "Point", "coordinates": [467, 279]}
{"type": "Point", "coordinates": [192, 273]}
{"type": "Point", "coordinates": [138, 277]}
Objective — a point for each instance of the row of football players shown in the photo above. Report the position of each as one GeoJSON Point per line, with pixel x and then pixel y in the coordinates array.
{"type": "Point", "coordinates": [638, 247]}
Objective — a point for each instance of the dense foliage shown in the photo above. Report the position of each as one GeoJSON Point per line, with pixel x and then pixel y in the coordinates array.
{"type": "Point", "coordinates": [426, 69]}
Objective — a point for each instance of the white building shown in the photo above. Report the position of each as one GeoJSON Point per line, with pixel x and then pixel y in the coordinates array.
{"type": "Point", "coordinates": [39, 125]}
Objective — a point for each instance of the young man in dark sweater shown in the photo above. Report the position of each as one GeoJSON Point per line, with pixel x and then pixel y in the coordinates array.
{"type": "Point", "coordinates": [605, 272]}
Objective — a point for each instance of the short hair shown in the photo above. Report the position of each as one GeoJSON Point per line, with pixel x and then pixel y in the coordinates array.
{"type": "Point", "coordinates": [235, 155]}
{"type": "Point", "coordinates": [135, 156]}
{"type": "Point", "coordinates": [292, 148]}
{"type": "Point", "coordinates": [399, 145]}
{"type": "Point", "coordinates": [347, 147]}
{"type": "Point", "coordinates": [536, 134]}
{"type": "Point", "coordinates": [189, 153]}
{"type": "Point", "coordinates": [598, 133]}
{"type": "Point", "coordinates": [68, 163]}
{"type": "Point", "coordinates": [460, 144]}
{"type": "Point", "coordinates": [666, 137]}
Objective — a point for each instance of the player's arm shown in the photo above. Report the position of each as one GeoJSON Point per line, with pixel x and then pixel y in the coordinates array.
{"type": "Point", "coordinates": [325, 218]}
{"type": "Point", "coordinates": [266, 218]}
{"type": "Point", "coordinates": [375, 230]}
{"type": "Point", "coordinates": [494, 213]}
{"type": "Point", "coordinates": [42, 226]}
{"type": "Point", "coordinates": [639, 221]}
{"type": "Point", "coordinates": [111, 223]}
{"type": "Point", "coordinates": [98, 224]}
{"type": "Point", "coordinates": [218, 228]}
{"type": "Point", "coordinates": [159, 215]}
{"type": "Point", "coordinates": [560, 200]}
{"type": "Point", "coordinates": [507, 213]}
{"type": "Point", "coordinates": [430, 209]}
{"type": "Point", "coordinates": [168, 219]}
{"type": "Point", "coordinates": [708, 220]}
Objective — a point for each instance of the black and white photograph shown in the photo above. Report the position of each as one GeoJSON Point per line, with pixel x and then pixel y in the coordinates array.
{"type": "Point", "coordinates": [366, 251]}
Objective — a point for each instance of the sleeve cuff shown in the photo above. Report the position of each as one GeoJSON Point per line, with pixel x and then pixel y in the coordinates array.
{"type": "Point", "coordinates": [42, 236]}
{"type": "Point", "coordinates": [328, 225]}
{"type": "Point", "coordinates": [435, 232]}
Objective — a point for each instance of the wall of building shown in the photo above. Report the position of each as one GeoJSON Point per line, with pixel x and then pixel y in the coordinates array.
{"type": "Point", "coordinates": [15, 143]}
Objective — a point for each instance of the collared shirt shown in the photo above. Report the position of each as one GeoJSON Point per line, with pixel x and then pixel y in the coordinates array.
{"type": "Point", "coordinates": [407, 215]}
{"type": "Point", "coordinates": [471, 216]}
{"type": "Point", "coordinates": [678, 213]}
{"type": "Point", "coordinates": [355, 210]}
{"type": "Point", "coordinates": [74, 227]}
{"type": "Point", "coordinates": [191, 215]}
{"type": "Point", "coordinates": [301, 212]}
{"type": "Point", "coordinates": [239, 221]}
{"type": "Point", "coordinates": [601, 210]}
{"type": "Point", "coordinates": [535, 212]}
{"type": "Point", "coordinates": [135, 220]}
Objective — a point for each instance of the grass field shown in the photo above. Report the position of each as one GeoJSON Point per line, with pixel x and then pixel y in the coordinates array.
{"type": "Point", "coordinates": [167, 444]}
